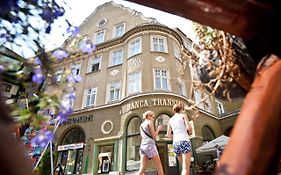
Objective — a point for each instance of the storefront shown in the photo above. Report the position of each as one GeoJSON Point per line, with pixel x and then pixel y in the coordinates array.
{"type": "Point", "coordinates": [108, 139]}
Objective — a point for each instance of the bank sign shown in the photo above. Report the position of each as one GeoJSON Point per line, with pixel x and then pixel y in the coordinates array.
{"type": "Point", "coordinates": [149, 103]}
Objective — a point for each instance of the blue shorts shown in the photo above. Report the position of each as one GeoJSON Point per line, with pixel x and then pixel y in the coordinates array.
{"type": "Point", "coordinates": [182, 147]}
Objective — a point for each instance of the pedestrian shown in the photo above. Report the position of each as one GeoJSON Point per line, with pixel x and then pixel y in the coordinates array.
{"type": "Point", "coordinates": [181, 128]}
{"type": "Point", "coordinates": [148, 149]}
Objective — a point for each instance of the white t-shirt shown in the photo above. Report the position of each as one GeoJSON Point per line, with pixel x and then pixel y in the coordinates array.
{"type": "Point", "coordinates": [179, 128]}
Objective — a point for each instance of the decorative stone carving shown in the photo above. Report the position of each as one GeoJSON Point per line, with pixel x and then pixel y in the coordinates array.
{"type": "Point", "coordinates": [114, 72]}
{"type": "Point", "coordinates": [107, 127]}
{"type": "Point", "coordinates": [160, 59]}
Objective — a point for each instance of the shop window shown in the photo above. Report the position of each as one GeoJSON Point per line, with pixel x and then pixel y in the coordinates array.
{"type": "Point", "coordinates": [163, 120]}
{"type": "Point", "coordinates": [133, 140]}
{"type": "Point", "coordinates": [106, 159]}
{"type": "Point", "coordinates": [70, 155]}
{"type": "Point", "coordinates": [207, 134]}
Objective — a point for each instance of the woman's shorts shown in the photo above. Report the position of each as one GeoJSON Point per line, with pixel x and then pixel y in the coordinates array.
{"type": "Point", "coordinates": [149, 150]}
{"type": "Point", "coordinates": [182, 147]}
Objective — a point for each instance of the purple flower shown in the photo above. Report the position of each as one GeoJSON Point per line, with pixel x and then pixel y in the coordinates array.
{"type": "Point", "coordinates": [64, 113]}
{"type": "Point", "coordinates": [73, 30]}
{"type": "Point", "coordinates": [60, 54]}
{"type": "Point", "coordinates": [7, 6]}
{"type": "Point", "coordinates": [42, 138]}
{"type": "Point", "coordinates": [88, 47]}
{"type": "Point", "coordinates": [71, 96]}
{"type": "Point", "coordinates": [38, 77]}
{"type": "Point", "coordinates": [37, 61]}
{"type": "Point", "coordinates": [73, 78]}
{"type": "Point", "coordinates": [47, 15]}
{"type": "Point", "coordinates": [59, 12]}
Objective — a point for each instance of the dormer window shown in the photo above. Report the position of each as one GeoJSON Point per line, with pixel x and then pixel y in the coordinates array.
{"type": "Point", "coordinates": [101, 22]}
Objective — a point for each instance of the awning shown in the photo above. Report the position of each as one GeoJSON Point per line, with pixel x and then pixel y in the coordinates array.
{"type": "Point", "coordinates": [210, 146]}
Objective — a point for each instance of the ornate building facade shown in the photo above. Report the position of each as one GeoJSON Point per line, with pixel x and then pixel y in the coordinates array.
{"type": "Point", "coordinates": [136, 67]}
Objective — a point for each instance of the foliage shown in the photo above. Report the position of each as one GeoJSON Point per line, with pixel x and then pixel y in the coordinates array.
{"type": "Point", "coordinates": [24, 24]}
{"type": "Point", "coordinates": [214, 58]}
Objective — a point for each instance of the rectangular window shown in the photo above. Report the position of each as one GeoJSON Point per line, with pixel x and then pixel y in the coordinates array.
{"type": "Point", "coordinates": [181, 87]}
{"type": "Point", "coordinates": [161, 77]}
{"type": "Point", "coordinates": [119, 30]}
{"type": "Point", "coordinates": [134, 82]}
{"type": "Point", "coordinates": [95, 64]}
{"type": "Point", "coordinates": [91, 95]}
{"type": "Point", "coordinates": [116, 57]}
{"type": "Point", "coordinates": [99, 37]}
{"type": "Point", "coordinates": [66, 101]}
{"type": "Point", "coordinates": [176, 51]}
{"type": "Point", "coordinates": [58, 74]}
{"type": "Point", "coordinates": [220, 107]}
{"type": "Point", "coordinates": [199, 97]}
{"type": "Point", "coordinates": [114, 91]}
{"type": "Point", "coordinates": [134, 47]}
{"type": "Point", "coordinates": [106, 158]}
{"type": "Point", "coordinates": [75, 68]}
{"type": "Point", "coordinates": [159, 43]}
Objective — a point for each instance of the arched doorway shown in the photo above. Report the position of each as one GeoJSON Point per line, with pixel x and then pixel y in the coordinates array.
{"type": "Point", "coordinates": [133, 141]}
{"type": "Point", "coordinates": [165, 147]}
{"type": "Point", "coordinates": [207, 134]}
{"type": "Point", "coordinates": [70, 152]}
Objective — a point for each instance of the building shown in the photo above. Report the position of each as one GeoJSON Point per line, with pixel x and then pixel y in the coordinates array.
{"type": "Point", "coordinates": [136, 67]}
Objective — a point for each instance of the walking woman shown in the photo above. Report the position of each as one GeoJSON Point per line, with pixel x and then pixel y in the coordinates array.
{"type": "Point", "coordinates": [181, 128]}
{"type": "Point", "coordinates": [148, 149]}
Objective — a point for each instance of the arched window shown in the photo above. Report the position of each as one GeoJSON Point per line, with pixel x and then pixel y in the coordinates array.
{"type": "Point", "coordinates": [71, 159]}
{"type": "Point", "coordinates": [133, 140]}
{"type": "Point", "coordinates": [207, 134]}
{"type": "Point", "coordinates": [163, 120]}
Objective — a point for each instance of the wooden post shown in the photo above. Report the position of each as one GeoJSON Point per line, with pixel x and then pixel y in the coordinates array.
{"type": "Point", "coordinates": [254, 146]}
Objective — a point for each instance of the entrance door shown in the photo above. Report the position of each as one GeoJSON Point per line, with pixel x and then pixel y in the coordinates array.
{"type": "Point", "coordinates": [168, 159]}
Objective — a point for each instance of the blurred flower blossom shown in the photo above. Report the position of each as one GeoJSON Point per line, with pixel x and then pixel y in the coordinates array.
{"type": "Point", "coordinates": [37, 61]}
{"type": "Point", "coordinates": [64, 113]}
{"type": "Point", "coordinates": [71, 96]}
{"type": "Point", "coordinates": [87, 47]}
{"type": "Point", "coordinates": [7, 6]}
{"type": "Point", "coordinates": [38, 77]}
{"type": "Point", "coordinates": [42, 138]}
{"type": "Point", "coordinates": [59, 12]}
{"type": "Point", "coordinates": [73, 78]}
{"type": "Point", "coordinates": [60, 54]}
{"type": "Point", "coordinates": [73, 30]}
{"type": "Point", "coordinates": [47, 15]}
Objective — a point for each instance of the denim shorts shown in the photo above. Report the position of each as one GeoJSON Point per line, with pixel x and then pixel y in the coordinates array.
{"type": "Point", "coordinates": [149, 150]}
{"type": "Point", "coordinates": [182, 147]}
